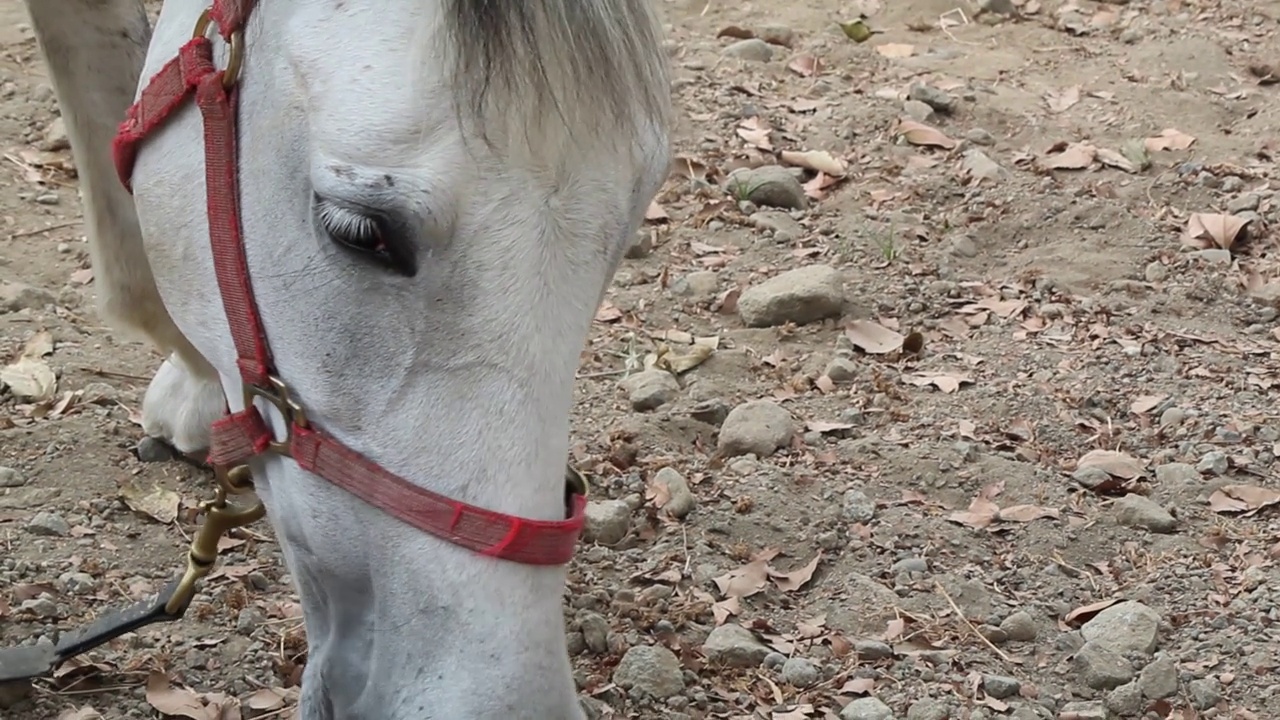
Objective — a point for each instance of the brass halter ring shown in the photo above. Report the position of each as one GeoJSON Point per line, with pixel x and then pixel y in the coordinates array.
{"type": "Point", "coordinates": [235, 45]}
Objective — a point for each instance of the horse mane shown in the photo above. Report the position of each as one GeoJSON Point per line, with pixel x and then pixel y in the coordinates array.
{"type": "Point", "coordinates": [596, 66]}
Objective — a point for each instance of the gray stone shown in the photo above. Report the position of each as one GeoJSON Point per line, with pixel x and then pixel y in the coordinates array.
{"type": "Point", "coordinates": [1101, 668]}
{"type": "Point", "coordinates": [607, 521]}
{"type": "Point", "coordinates": [153, 450]}
{"type": "Point", "coordinates": [979, 166]}
{"type": "Point", "coordinates": [841, 370]}
{"type": "Point", "coordinates": [1020, 627]}
{"type": "Point", "coordinates": [55, 137]}
{"type": "Point", "coordinates": [641, 245]}
{"type": "Point", "coordinates": [78, 582]}
{"type": "Point", "coordinates": [1177, 474]}
{"type": "Point", "coordinates": [752, 49]}
{"type": "Point", "coordinates": [1214, 462]}
{"type": "Point", "coordinates": [867, 708]}
{"type": "Point", "coordinates": [800, 296]}
{"type": "Point", "coordinates": [732, 645]}
{"type": "Point", "coordinates": [800, 672]}
{"type": "Point", "coordinates": [248, 620]}
{"type": "Point", "coordinates": [1155, 272]}
{"type": "Point", "coordinates": [1090, 710]}
{"type": "Point", "coordinates": [1141, 512]}
{"type": "Point", "coordinates": [10, 478]}
{"type": "Point", "coordinates": [700, 284]}
{"type": "Point", "coordinates": [1000, 686]}
{"type": "Point", "coordinates": [1171, 418]}
{"type": "Point", "coordinates": [682, 500]}
{"type": "Point", "coordinates": [759, 426]}
{"type": "Point", "coordinates": [857, 507]}
{"type": "Point", "coordinates": [872, 650]}
{"type": "Point", "coordinates": [929, 709]}
{"type": "Point", "coordinates": [768, 185]}
{"type": "Point", "coordinates": [1090, 477]}
{"type": "Point", "coordinates": [1249, 202]}
{"type": "Point", "coordinates": [650, 389]}
{"type": "Point", "coordinates": [1125, 700]}
{"type": "Point", "coordinates": [776, 35]}
{"type": "Point", "coordinates": [15, 296]}
{"type": "Point", "coordinates": [775, 660]}
{"type": "Point", "coordinates": [595, 631]}
{"type": "Point", "coordinates": [1127, 627]}
{"type": "Point", "coordinates": [933, 97]}
{"type": "Point", "coordinates": [1204, 692]}
{"type": "Point", "coordinates": [48, 523]}
{"type": "Point", "coordinates": [918, 111]}
{"type": "Point", "coordinates": [711, 412]}
{"type": "Point", "coordinates": [650, 670]}
{"type": "Point", "coordinates": [1159, 679]}
{"type": "Point", "coordinates": [784, 227]}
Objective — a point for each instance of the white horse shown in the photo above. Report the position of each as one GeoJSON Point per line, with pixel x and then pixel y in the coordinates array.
{"type": "Point", "coordinates": [434, 195]}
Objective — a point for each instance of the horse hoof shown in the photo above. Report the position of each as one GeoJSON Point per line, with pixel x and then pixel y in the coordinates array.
{"type": "Point", "coordinates": [153, 449]}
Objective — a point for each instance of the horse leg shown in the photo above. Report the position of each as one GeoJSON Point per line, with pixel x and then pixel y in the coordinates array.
{"type": "Point", "coordinates": [94, 50]}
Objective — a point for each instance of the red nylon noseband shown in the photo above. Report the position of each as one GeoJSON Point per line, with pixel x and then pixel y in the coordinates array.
{"type": "Point", "coordinates": [244, 434]}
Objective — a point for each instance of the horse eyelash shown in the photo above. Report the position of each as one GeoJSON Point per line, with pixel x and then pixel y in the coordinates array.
{"type": "Point", "coordinates": [350, 227]}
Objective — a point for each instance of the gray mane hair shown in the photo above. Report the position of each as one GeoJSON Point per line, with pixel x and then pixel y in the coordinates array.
{"type": "Point", "coordinates": [596, 66]}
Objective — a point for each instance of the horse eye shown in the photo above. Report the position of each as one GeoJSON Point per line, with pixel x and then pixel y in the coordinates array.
{"type": "Point", "coordinates": [366, 231]}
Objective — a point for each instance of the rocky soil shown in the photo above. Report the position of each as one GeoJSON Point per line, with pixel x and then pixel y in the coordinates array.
{"type": "Point", "coordinates": [939, 384]}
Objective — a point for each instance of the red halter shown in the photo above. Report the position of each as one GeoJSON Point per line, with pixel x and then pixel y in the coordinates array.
{"type": "Point", "coordinates": [244, 434]}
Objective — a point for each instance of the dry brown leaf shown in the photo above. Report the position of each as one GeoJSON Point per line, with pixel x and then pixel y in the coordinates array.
{"type": "Point", "coordinates": [84, 276]}
{"type": "Point", "coordinates": [1026, 513]}
{"type": "Point", "coordinates": [156, 502]}
{"type": "Point", "coordinates": [917, 133]}
{"type": "Point", "coordinates": [738, 33]}
{"type": "Point", "coordinates": [1111, 158]}
{"type": "Point", "coordinates": [756, 132]}
{"type": "Point", "coordinates": [1114, 462]}
{"type": "Point", "coordinates": [805, 65]}
{"type": "Point", "coordinates": [896, 50]}
{"type": "Point", "coordinates": [874, 338]}
{"type": "Point", "coordinates": [1076, 156]}
{"type": "Point", "coordinates": [802, 711]}
{"type": "Point", "coordinates": [654, 213]}
{"type": "Point", "coordinates": [858, 686]}
{"type": "Point", "coordinates": [169, 700]}
{"type": "Point", "coordinates": [657, 493]}
{"type": "Point", "coordinates": [271, 699]}
{"type": "Point", "coordinates": [1208, 230]}
{"type": "Point", "coordinates": [84, 713]}
{"type": "Point", "coordinates": [725, 608]}
{"type": "Point", "coordinates": [748, 579]}
{"type": "Point", "coordinates": [1060, 101]}
{"type": "Point", "coordinates": [1242, 498]}
{"type": "Point", "coordinates": [29, 379]}
{"type": "Point", "coordinates": [608, 312]}
{"type": "Point", "coordinates": [816, 187]}
{"type": "Point", "coordinates": [981, 513]}
{"type": "Point", "coordinates": [1144, 404]}
{"type": "Point", "coordinates": [815, 160]}
{"type": "Point", "coordinates": [1168, 139]}
{"type": "Point", "coordinates": [946, 382]}
{"type": "Point", "coordinates": [1085, 613]}
{"type": "Point", "coordinates": [894, 629]}
{"type": "Point", "coordinates": [794, 580]}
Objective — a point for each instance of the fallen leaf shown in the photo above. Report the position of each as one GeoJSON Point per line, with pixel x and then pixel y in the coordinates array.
{"type": "Point", "coordinates": [917, 133]}
{"type": "Point", "coordinates": [756, 132]}
{"type": "Point", "coordinates": [725, 608]}
{"type": "Point", "coordinates": [748, 579]}
{"type": "Point", "coordinates": [981, 513]}
{"type": "Point", "coordinates": [29, 379]}
{"type": "Point", "coordinates": [856, 30]}
{"type": "Point", "coordinates": [1076, 156]}
{"type": "Point", "coordinates": [1242, 498]}
{"type": "Point", "coordinates": [738, 33]}
{"type": "Point", "coordinates": [874, 338]}
{"type": "Point", "coordinates": [794, 580]}
{"type": "Point", "coordinates": [896, 50]}
{"type": "Point", "coordinates": [83, 276]}
{"type": "Point", "coordinates": [656, 213]}
{"type": "Point", "coordinates": [169, 700]}
{"type": "Point", "coordinates": [270, 699]}
{"type": "Point", "coordinates": [1168, 139]}
{"type": "Point", "coordinates": [657, 493]}
{"type": "Point", "coordinates": [1111, 158]}
{"type": "Point", "coordinates": [805, 65]}
{"type": "Point", "coordinates": [608, 312]}
{"type": "Point", "coordinates": [1207, 230]}
{"type": "Point", "coordinates": [858, 686]}
{"type": "Point", "coordinates": [1063, 100]}
{"type": "Point", "coordinates": [1144, 404]}
{"type": "Point", "coordinates": [799, 712]}
{"type": "Point", "coordinates": [1086, 612]}
{"type": "Point", "coordinates": [84, 713]}
{"type": "Point", "coordinates": [946, 382]}
{"type": "Point", "coordinates": [1026, 513]}
{"type": "Point", "coordinates": [820, 426]}
{"type": "Point", "coordinates": [1121, 465]}
{"type": "Point", "coordinates": [815, 160]}
{"type": "Point", "coordinates": [156, 502]}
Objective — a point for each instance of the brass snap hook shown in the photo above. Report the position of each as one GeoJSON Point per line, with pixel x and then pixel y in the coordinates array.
{"type": "Point", "coordinates": [235, 45]}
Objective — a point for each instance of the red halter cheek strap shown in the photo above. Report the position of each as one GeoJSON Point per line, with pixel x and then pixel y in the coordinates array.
{"type": "Point", "coordinates": [244, 434]}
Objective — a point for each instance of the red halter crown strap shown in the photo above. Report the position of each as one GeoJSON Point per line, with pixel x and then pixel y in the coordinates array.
{"type": "Point", "coordinates": [244, 434]}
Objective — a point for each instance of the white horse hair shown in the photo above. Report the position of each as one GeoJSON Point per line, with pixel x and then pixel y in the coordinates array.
{"type": "Point", "coordinates": [505, 150]}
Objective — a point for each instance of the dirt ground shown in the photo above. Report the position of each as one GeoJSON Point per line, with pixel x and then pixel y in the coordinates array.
{"type": "Point", "coordinates": [1020, 466]}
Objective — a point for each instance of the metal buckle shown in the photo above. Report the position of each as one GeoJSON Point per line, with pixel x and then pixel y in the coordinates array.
{"type": "Point", "coordinates": [278, 395]}
{"type": "Point", "coordinates": [235, 48]}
